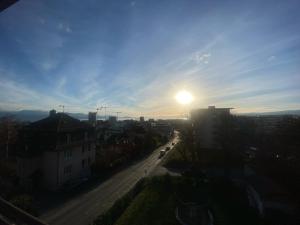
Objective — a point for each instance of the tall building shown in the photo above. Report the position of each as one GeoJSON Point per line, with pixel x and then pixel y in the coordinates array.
{"type": "Point", "coordinates": [142, 119]}
{"type": "Point", "coordinates": [56, 151]}
{"type": "Point", "coordinates": [206, 123]}
{"type": "Point", "coordinates": [92, 117]}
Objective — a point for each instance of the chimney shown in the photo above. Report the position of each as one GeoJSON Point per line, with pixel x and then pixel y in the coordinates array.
{"type": "Point", "coordinates": [52, 112]}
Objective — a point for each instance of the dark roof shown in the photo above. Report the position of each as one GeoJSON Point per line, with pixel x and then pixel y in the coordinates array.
{"type": "Point", "coordinates": [59, 122]}
{"type": "Point", "coordinates": [6, 3]}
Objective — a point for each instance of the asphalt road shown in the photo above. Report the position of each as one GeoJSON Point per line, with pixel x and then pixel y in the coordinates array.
{"type": "Point", "coordinates": [83, 209]}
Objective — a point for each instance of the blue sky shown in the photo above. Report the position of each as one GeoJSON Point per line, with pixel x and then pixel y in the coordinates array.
{"type": "Point", "coordinates": [135, 55]}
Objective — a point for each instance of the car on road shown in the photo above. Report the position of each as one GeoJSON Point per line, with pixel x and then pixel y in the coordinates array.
{"type": "Point", "coordinates": [167, 148]}
{"type": "Point", "coordinates": [173, 143]}
{"type": "Point", "coordinates": [162, 153]}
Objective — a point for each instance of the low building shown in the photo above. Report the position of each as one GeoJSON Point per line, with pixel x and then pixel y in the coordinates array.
{"type": "Point", "coordinates": [268, 123]}
{"type": "Point", "coordinates": [205, 123]}
{"type": "Point", "coordinates": [163, 128]}
{"type": "Point", "coordinates": [56, 151]}
{"type": "Point", "coordinates": [112, 119]}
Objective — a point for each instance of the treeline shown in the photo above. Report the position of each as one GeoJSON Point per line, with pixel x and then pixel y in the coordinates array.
{"type": "Point", "coordinates": [270, 145]}
{"type": "Point", "coordinates": [133, 143]}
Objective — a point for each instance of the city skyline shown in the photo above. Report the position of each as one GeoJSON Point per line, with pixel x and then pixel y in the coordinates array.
{"type": "Point", "coordinates": [136, 55]}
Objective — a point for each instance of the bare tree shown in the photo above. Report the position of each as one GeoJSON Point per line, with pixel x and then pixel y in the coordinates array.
{"type": "Point", "coordinates": [8, 135]}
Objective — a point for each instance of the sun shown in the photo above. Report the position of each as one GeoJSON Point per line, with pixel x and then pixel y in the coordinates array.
{"type": "Point", "coordinates": [184, 97]}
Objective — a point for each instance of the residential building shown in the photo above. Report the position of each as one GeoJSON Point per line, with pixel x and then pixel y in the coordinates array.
{"type": "Point", "coordinates": [112, 119]}
{"type": "Point", "coordinates": [92, 117]}
{"type": "Point", "coordinates": [163, 128]}
{"type": "Point", "coordinates": [56, 151]}
{"type": "Point", "coordinates": [268, 123]}
{"type": "Point", "coordinates": [205, 123]}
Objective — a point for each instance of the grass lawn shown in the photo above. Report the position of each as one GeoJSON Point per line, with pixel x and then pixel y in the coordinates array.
{"type": "Point", "coordinates": [175, 159]}
{"type": "Point", "coordinates": [158, 198]}
{"type": "Point", "coordinates": [154, 205]}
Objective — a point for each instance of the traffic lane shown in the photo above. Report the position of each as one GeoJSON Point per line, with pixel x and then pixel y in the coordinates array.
{"type": "Point", "coordinates": [86, 207]}
{"type": "Point", "coordinates": [114, 190]}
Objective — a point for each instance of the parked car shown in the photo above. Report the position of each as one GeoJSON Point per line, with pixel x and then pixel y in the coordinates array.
{"type": "Point", "coordinates": [167, 148]}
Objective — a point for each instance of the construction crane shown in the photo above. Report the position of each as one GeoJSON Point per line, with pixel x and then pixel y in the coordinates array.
{"type": "Point", "coordinates": [98, 109]}
{"type": "Point", "coordinates": [104, 107]}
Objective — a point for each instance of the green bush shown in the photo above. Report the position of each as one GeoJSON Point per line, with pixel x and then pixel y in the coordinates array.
{"type": "Point", "coordinates": [154, 205]}
{"type": "Point", "coordinates": [25, 202]}
{"type": "Point", "coordinates": [154, 200]}
{"type": "Point", "coordinates": [110, 217]}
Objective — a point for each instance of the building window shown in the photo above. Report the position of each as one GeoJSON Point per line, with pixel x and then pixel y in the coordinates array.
{"type": "Point", "coordinates": [89, 146]}
{"type": "Point", "coordinates": [83, 148]}
{"type": "Point", "coordinates": [89, 161]}
{"type": "Point", "coordinates": [68, 154]}
{"type": "Point", "coordinates": [83, 163]}
{"type": "Point", "coordinates": [86, 135]}
{"type": "Point", "coordinates": [68, 138]}
{"type": "Point", "coordinates": [68, 170]}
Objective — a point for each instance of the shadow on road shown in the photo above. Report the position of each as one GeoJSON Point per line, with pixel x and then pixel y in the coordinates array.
{"type": "Point", "coordinates": [47, 200]}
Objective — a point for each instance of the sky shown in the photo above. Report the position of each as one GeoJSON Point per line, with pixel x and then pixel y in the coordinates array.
{"type": "Point", "coordinates": [134, 56]}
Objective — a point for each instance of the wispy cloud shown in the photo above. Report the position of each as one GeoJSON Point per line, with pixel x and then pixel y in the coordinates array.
{"type": "Point", "coordinates": [135, 56]}
{"type": "Point", "coordinates": [132, 3]}
{"type": "Point", "coordinates": [64, 27]}
{"type": "Point", "coordinates": [198, 57]}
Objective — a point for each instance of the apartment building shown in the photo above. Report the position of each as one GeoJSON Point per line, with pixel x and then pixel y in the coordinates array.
{"type": "Point", "coordinates": [56, 151]}
{"type": "Point", "coordinates": [205, 122]}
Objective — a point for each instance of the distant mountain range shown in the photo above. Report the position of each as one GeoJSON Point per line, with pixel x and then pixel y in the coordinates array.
{"type": "Point", "coordinates": [275, 113]}
{"type": "Point", "coordinates": [34, 115]}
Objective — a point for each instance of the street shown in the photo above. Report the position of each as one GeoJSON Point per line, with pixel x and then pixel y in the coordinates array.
{"type": "Point", "coordinates": [83, 209]}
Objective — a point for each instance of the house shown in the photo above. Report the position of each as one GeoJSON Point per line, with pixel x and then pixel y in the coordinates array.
{"type": "Point", "coordinates": [205, 123]}
{"type": "Point", "coordinates": [56, 151]}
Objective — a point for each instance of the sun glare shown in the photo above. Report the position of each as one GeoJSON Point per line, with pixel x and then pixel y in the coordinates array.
{"type": "Point", "coordinates": [184, 97]}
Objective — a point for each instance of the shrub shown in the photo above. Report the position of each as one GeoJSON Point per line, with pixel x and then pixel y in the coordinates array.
{"type": "Point", "coordinates": [110, 217]}
{"type": "Point", "coordinates": [24, 202]}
